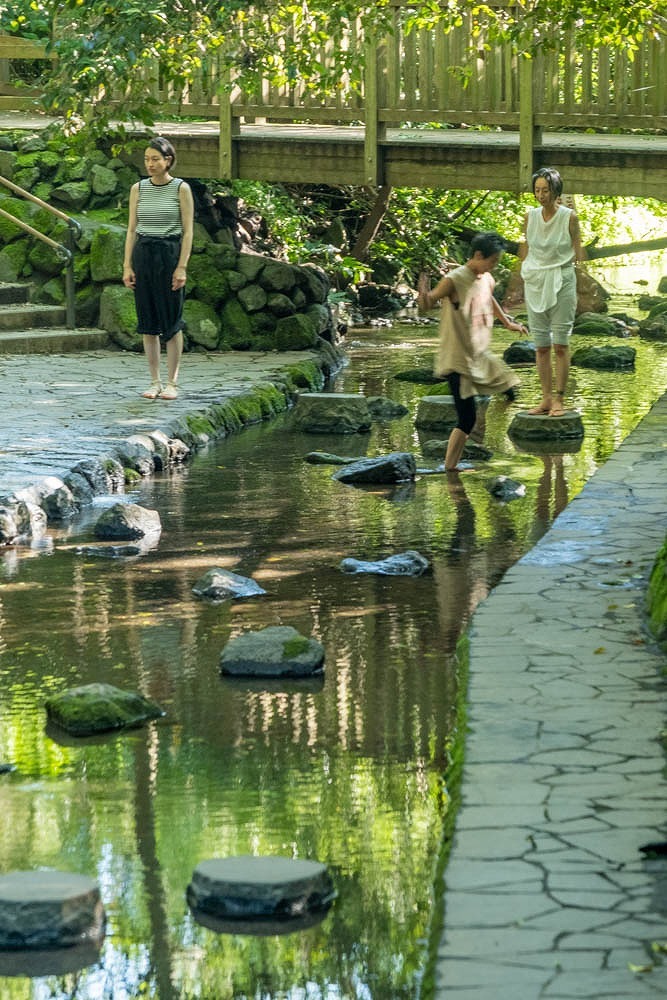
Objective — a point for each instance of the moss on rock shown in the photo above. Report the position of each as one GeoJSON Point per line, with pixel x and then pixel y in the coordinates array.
{"type": "Point", "coordinates": [656, 597]}
{"type": "Point", "coordinates": [98, 708]}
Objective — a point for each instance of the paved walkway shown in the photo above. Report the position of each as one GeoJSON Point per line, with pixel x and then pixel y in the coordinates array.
{"type": "Point", "coordinates": [57, 409]}
{"type": "Point", "coordinates": [548, 894]}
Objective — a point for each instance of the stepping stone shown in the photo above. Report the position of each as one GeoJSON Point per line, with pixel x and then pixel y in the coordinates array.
{"type": "Point", "coordinates": [248, 888]}
{"type": "Point", "coordinates": [276, 651]}
{"type": "Point", "coordinates": [220, 584]}
{"type": "Point", "coordinates": [49, 909]}
{"type": "Point", "coordinates": [539, 426]}
{"type": "Point", "coordinates": [332, 413]}
{"type": "Point", "coordinates": [438, 413]}
{"type": "Point", "coordinates": [99, 708]}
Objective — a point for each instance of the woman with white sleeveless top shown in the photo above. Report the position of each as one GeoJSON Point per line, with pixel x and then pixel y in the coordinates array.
{"type": "Point", "coordinates": [157, 250]}
{"type": "Point", "coordinates": [552, 247]}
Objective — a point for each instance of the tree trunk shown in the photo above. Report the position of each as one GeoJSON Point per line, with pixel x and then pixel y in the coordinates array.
{"type": "Point", "coordinates": [594, 252]}
{"type": "Point", "coordinates": [370, 227]}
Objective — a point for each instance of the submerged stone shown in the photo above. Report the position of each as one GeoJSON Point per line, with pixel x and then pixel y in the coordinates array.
{"type": "Point", "coordinates": [250, 888]}
{"type": "Point", "coordinates": [99, 708]}
{"type": "Point", "coordinates": [506, 489]}
{"type": "Point", "coordinates": [332, 413]}
{"type": "Point", "coordinates": [409, 563]}
{"type": "Point", "coordinates": [48, 909]}
{"type": "Point", "coordinates": [436, 413]}
{"type": "Point", "coordinates": [396, 467]}
{"type": "Point", "coordinates": [275, 651]}
{"type": "Point", "coordinates": [383, 408]}
{"type": "Point", "coordinates": [127, 521]}
{"type": "Point", "coordinates": [219, 585]}
{"type": "Point", "coordinates": [326, 458]}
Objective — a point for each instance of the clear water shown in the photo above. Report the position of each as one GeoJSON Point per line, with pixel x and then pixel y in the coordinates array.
{"type": "Point", "coordinates": [348, 771]}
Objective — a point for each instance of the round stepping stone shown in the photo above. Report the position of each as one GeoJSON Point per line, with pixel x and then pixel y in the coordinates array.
{"type": "Point", "coordinates": [252, 888]}
{"type": "Point", "coordinates": [48, 909]}
{"type": "Point", "coordinates": [542, 427]}
{"type": "Point", "coordinates": [332, 413]}
{"type": "Point", "coordinates": [438, 413]}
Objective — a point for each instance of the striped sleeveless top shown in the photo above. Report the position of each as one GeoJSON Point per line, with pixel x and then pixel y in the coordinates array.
{"type": "Point", "coordinates": [159, 209]}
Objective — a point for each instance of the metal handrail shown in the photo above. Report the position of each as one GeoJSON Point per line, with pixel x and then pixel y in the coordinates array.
{"type": "Point", "coordinates": [66, 252]}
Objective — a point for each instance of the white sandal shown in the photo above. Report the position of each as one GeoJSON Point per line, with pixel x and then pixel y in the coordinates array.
{"type": "Point", "coordinates": [170, 391]}
{"type": "Point", "coordinates": [153, 391]}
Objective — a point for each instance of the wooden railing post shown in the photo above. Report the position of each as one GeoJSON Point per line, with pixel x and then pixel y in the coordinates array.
{"type": "Point", "coordinates": [227, 153]}
{"type": "Point", "coordinates": [529, 134]}
{"type": "Point", "coordinates": [373, 132]}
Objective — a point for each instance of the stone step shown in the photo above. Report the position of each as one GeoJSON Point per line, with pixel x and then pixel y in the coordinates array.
{"type": "Point", "coordinates": [12, 292]}
{"type": "Point", "coordinates": [57, 340]}
{"type": "Point", "coordinates": [28, 315]}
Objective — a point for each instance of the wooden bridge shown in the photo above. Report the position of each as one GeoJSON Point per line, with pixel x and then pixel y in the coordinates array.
{"type": "Point", "coordinates": [425, 112]}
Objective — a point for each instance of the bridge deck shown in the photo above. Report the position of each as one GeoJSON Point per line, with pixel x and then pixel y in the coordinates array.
{"type": "Point", "coordinates": [605, 164]}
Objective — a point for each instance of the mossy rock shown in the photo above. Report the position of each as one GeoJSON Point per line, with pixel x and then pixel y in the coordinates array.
{"type": "Point", "coordinates": [107, 248]}
{"type": "Point", "coordinates": [99, 708]}
{"type": "Point", "coordinates": [51, 293]}
{"type": "Point", "coordinates": [236, 327]}
{"type": "Point", "coordinates": [45, 259]}
{"type": "Point", "coordinates": [202, 323]}
{"type": "Point", "coordinates": [277, 276]}
{"type": "Point", "coordinates": [13, 260]}
{"type": "Point", "coordinates": [118, 316]}
{"type": "Point", "coordinates": [656, 597]}
{"type": "Point", "coordinates": [207, 281]}
{"type": "Point", "coordinates": [658, 309]}
{"type": "Point", "coordinates": [606, 358]}
{"type": "Point", "coordinates": [295, 333]}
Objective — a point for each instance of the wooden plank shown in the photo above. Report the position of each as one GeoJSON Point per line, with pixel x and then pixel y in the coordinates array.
{"type": "Point", "coordinates": [13, 47]}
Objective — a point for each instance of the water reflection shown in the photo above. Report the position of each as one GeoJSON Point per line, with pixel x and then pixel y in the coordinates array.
{"type": "Point", "coordinates": [349, 770]}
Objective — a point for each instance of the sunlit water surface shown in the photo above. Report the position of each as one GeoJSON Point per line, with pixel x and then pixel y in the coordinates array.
{"type": "Point", "coordinates": [349, 770]}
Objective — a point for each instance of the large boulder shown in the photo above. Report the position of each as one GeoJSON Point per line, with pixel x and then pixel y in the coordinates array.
{"type": "Point", "coordinates": [99, 708]}
{"type": "Point", "coordinates": [127, 522]}
{"type": "Point", "coordinates": [276, 651]}
{"type": "Point", "coordinates": [654, 328]}
{"type": "Point", "coordinates": [395, 467]}
{"type": "Point", "coordinates": [118, 316]}
{"type": "Point", "coordinates": [332, 413]}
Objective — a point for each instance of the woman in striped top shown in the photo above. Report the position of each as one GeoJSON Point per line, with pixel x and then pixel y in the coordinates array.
{"type": "Point", "coordinates": [157, 250]}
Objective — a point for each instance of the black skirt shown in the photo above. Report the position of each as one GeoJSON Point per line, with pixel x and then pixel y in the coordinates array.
{"type": "Point", "coordinates": [159, 309]}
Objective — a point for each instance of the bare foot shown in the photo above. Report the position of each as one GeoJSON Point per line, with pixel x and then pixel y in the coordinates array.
{"type": "Point", "coordinates": [543, 408]}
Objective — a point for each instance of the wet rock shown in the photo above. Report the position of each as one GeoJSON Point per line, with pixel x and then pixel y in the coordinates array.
{"type": "Point", "coordinates": [80, 488]}
{"type": "Point", "coordinates": [7, 768]}
{"type": "Point", "coordinates": [505, 489]}
{"type": "Point", "coordinates": [662, 285]}
{"type": "Point", "coordinates": [8, 527]}
{"type": "Point", "coordinates": [595, 325]}
{"type": "Point", "coordinates": [396, 467]}
{"type": "Point", "coordinates": [654, 328]}
{"type": "Point", "coordinates": [537, 426]}
{"type": "Point", "coordinates": [409, 563]}
{"type": "Point", "coordinates": [276, 651]}
{"type": "Point", "coordinates": [250, 888]}
{"type": "Point", "coordinates": [520, 352]}
{"type": "Point", "coordinates": [332, 413]}
{"type": "Point", "coordinates": [220, 585]}
{"type": "Point", "coordinates": [110, 551]}
{"type": "Point", "coordinates": [385, 409]}
{"type": "Point", "coordinates": [605, 358]}
{"type": "Point", "coordinates": [127, 522]}
{"type": "Point", "coordinates": [135, 454]}
{"type": "Point", "coordinates": [326, 458]}
{"type": "Point", "coordinates": [48, 909]}
{"type": "Point", "coordinates": [99, 476]}
{"type": "Point", "coordinates": [646, 302]}
{"type": "Point", "coordinates": [57, 500]}
{"type": "Point", "coordinates": [99, 708]}
{"type": "Point", "coordinates": [420, 376]}
{"type": "Point", "coordinates": [472, 451]}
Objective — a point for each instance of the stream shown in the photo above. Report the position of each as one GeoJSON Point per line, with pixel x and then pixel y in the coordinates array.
{"type": "Point", "coordinates": [346, 770]}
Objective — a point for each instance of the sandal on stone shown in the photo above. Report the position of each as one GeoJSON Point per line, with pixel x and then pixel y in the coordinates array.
{"type": "Point", "coordinates": [170, 391]}
{"type": "Point", "coordinates": [153, 391]}
{"type": "Point", "coordinates": [540, 410]}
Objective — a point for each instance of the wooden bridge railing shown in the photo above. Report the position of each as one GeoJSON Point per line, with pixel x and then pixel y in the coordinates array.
{"type": "Point", "coordinates": [427, 77]}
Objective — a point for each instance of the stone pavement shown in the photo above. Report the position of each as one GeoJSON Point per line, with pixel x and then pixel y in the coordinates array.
{"type": "Point", "coordinates": [56, 409]}
{"type": "Point", "coordinates": [547, 892]}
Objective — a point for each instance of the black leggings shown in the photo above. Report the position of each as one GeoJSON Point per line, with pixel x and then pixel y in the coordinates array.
{"type": "Point", "coordinates": [466, 411]}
